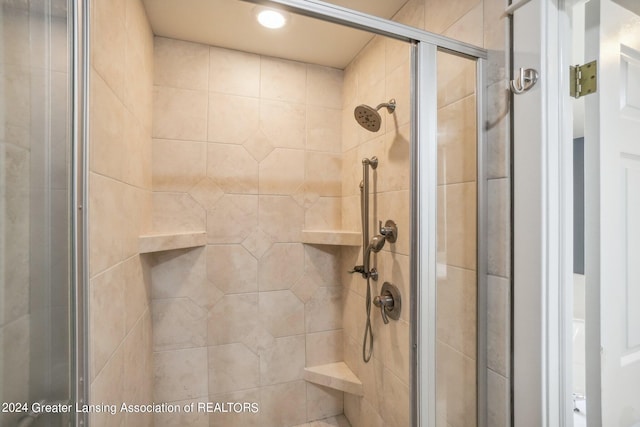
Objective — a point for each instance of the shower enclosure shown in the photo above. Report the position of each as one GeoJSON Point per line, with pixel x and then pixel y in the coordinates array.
{"type": "Point", "coordinates": [229, 259]}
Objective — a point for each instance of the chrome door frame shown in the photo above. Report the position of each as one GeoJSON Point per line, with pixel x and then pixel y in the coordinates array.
{"type": "Point", "coordinates": [79, 15]}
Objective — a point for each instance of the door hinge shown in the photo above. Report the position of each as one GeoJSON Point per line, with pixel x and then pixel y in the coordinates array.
{"type": "Point", "coordinates": [584, 79]}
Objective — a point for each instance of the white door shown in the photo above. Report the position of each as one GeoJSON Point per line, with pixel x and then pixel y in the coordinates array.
{"type": "Point", "coordinates": [612, 217]}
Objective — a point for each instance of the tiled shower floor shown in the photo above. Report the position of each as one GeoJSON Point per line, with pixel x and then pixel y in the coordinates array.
{"type": "Point", "coordinates": [339, 421]}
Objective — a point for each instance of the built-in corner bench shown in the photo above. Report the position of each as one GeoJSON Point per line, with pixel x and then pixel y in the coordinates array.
{"type": "Point", "coordinates": [335, 375]}
{"type": "Point", "coordinates": [157, 242]}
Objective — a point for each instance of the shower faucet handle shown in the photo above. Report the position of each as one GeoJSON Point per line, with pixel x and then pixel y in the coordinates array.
{"type": "Point", "coordinates": [357, 269]}
{"type": "Point", "coordinates": [389, 302]}
{"type": "Point", "coordinates": [389, 231]}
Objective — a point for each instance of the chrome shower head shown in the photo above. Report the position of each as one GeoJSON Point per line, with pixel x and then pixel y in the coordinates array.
{"type": "Point", "coordinates": [369, 118]}
{"type": "Point", "coordinates": [377, 242]}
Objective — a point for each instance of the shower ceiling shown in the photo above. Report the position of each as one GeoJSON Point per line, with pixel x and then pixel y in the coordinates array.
{"type": "Point", "coordinates": [232, 24]}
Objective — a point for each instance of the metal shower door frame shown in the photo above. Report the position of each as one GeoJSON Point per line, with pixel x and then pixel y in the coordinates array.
{"type": "Point", "coordinates": [79, 98]}
{"type": "Point", "coordinates": [423, 191]}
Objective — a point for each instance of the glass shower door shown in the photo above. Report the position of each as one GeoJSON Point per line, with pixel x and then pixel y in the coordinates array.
{"type": "Point", "coordinates": [35, 217]}
{"type": "Point", "coordinates": [457, 266]}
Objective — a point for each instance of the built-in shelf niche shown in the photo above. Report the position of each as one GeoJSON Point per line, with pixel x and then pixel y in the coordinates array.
{"type": "Point", "coordinates": [157, 242]}
{"type": "Point", "coordinates": [332, 237]}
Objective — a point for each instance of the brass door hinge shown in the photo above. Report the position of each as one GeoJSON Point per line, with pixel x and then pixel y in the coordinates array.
{"type": "Point", "coordinates": [584, 79]}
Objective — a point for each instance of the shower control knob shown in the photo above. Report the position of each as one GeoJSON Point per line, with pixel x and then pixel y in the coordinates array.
{"type": "Point", "coordinates": [389, 302]}
{"type": "Point", "coordinates": [383, 301]}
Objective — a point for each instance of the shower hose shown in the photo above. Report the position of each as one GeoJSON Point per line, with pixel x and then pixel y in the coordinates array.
{"type": "Point", "coordinates": [368, 333]}
{"type": "Point", "coordinates": [364, 213]}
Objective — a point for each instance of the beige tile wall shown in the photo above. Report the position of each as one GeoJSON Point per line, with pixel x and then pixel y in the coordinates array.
{"type": "Point", "coordinates": [381, 71]}
{"type": "Point", "coordinates": [248, 148]}
{"type": "Point", "coordinates": [120, 341]}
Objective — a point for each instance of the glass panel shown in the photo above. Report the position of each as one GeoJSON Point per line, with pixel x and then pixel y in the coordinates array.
{"type": "Point", "coordinates": [34, 204]}
{"type": "Point", "coordinates": [457, 249]}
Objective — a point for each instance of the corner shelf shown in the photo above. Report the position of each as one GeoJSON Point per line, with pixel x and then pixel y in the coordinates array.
{"type": "Point", "coordinates": [337, 376]}
{"type": "Point", "coordinates": [332, 237]}
{"type": "Point", "coordinates": [157, 242]}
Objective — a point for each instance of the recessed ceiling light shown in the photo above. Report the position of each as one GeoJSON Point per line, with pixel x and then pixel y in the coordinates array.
{"type": "Point", "coordinates": [271, 18]}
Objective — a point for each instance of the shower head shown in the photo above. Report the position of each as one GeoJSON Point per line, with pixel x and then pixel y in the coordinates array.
{"type": "Point", "coordinates": [377, 242]}
{"type": "Point", "coordinates": [369, 118]}
{"type": "Point", "coordinates": [375, 246]}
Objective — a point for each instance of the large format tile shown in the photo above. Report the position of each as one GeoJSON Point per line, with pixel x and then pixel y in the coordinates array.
{"type": "Point", "coordinates": [324, 86]}
{"type": "Point", "coordinates": [179, 114]}
{"type": "Point", "coordinates": [281, 218]}
{"type": "Point", "coordinates": [324, 347]}
{"type": "Point", "coordinates": [282, 172]}
{"type": "Point", "coordinates": [232, 119]}
{"type": "Point", "coordinates": [283, 123]}
{"type": "Point", "coordinates": [323, 402]}
{"type": "Point", "coordinates": [249, 418]}
{"type": "Point", "coordinates": [107, 128]}
{"type": "Point", "coordinates": [281, 267]}
{"type": "Point", "coordinates": [138, 368]}
{"type": "Point", "coordinates": [468, 28]}
{"type": "Point", "coordinates": [323, 310]}
{"type": "Point", "coordinates": [107, 315]}
{"type": "Point", "coordinates": [441, 14]}
{"type": "Point", "coordinates": [177, 212]}
{"type": "Point", "coordinates": [324, 129]}
{"type": "Point", "coordinates": [457, 140]}
{"type": "Point", "coordinates": [456, 78]}
{"type": "Point", "coordinates": [180, 64]}
{"type": "Point", "coordinates": [457, 224]}
{"type": "Point", "coordinates": [232, 168]}
{"type": "Point", "coordinates": [178, 165]}
{"type": "Point", "coordinates": [283, 404]}
{"type": "Point", "coordinates": [283, 80]}
{"type": "Point", "coordinates": [180, 374]}
{"type": "Point", "coordinates": [108, 37]}
{"type": "Point", "coordinates": [456, 309]}
{"type": "Point", "coordinates": [322, 173]}
{"type": "Point", "coordinates": [178, 323]}
{"type": "Point", "coordinates": [232, 269]}
{"type": "Point", "coordinates": [232, 219]}
{"type": "Point", "coordinates": [283, 361]}
{"type": "Point", "coordinates": [233, 319]}
{"type": "Point", "coordinates": [232, 367]}
{"type": "Point", "coordinates": [182, 273]}
{"type": "Point", "coordinates": [456, 385]}
{"type": "Point", "coordinates": [137, 289]}
{"type": "Point", "coordinates": [108, 388]}
{"type": "Point", "coordinates": [234, 72]}
{"type": "Point", "coordinates": [191, 419]}
{"type": "Point", "coordinates": [282, 313]}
